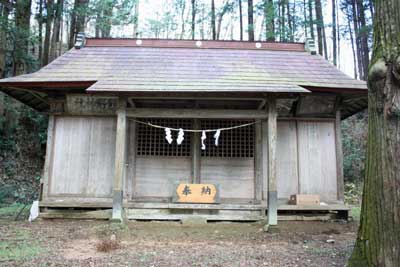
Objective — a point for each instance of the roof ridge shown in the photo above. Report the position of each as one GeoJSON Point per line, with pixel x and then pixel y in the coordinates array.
{"type": "Point", "coordinates": [195, 44]}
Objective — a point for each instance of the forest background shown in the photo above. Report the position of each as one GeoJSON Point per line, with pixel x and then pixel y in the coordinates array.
{"type": "Point", "coordinates": [35, 32]}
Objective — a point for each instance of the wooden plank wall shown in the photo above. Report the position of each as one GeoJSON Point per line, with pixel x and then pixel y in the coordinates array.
{"type": "Point", "coordinates": [287, 169]}
{"type": "Point", "coordinates": [235, 176]}
{"type": "Point", "coordinates": [83, 157]}
{"type": "Point", "coordinates": [156, 176]}
{"type": "Point", "coordinates": [317, 159]}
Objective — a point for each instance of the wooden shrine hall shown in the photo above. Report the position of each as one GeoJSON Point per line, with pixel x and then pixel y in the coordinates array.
{"type": "Point", "coordinates": [133, 128]}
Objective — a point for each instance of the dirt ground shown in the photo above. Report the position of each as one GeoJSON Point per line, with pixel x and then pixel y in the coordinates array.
{"type": "Point", "coordinates": [77, 243]}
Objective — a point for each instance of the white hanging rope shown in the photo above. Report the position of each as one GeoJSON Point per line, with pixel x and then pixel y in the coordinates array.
{"type": "Point", "coordinates": [194, 131]}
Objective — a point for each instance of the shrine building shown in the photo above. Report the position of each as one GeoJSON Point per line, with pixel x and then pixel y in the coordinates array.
{"type": "Point", "coordinates": [147, 129]}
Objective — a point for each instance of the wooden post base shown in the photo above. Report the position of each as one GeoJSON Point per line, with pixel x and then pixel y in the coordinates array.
{"type": "Point", "coordinates": [272, 208]}
{"type": "Point", "coordinates": [117, 206]}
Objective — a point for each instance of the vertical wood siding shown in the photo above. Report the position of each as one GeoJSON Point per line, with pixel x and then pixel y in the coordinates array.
{"type": "Point", "coordinates": [317, 159]}
{"type": "Point", "coordinates": [83, 158]}
{"type": "Point", "coordinates": [287, 169]}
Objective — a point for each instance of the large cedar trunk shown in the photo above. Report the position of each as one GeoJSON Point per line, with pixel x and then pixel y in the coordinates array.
{"type": "Point", "coordinates": [378, 240]}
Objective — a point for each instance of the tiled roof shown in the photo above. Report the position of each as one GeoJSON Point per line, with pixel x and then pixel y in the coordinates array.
{"type": "Point", "coordinates": [120, 66]}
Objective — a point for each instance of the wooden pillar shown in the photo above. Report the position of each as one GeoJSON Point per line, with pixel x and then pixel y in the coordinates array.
{"type": "Point", "coordinates": [272, 184]}
{"type": "Point", "coordinates": [258, 175]}
{"type": "Point", "coordinates": [196, 153]}
{"type": "Point", "coordinates": [120, 157]}
{"type": "Point", "coordinates": [49, 151]}
{"type": "Point", "coordinates": [339, 156]}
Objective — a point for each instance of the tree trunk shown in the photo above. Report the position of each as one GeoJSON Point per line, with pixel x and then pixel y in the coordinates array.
{"type": "Point", "coordinates": [22, 23]}
{"type": "Point", "coordinates": [55, 38]}
{"type": "Point", "coordinates": [270, 20]}
{"type": "Point", "coordinates": [338, 34]}
{"type": "Point", "coordinates": [107, 17]}
{"type": "Point", "coordinates": [318, 13]}
{"type": "Point", "coordinates": [357, 39]}
{"type": "Point", "coordinates": [136, 20]}
{"type": "Point", "coordinates": [250, 20]}
{"type": "Point", "coordinates": [305, 18]}
{"type": "Point", "coordinates": [290, 22]}
{"type": "Point", "coordinates": [334, 47]}
{"type": "Point", "coordinates": [311, 19]}
{"type": "Point", "coordinates": [78, 18]}
{"type": "Point", "coordinates": [241, 20]}
{"type": "Point", "coordinates": [353, 47]}
{"type": "Point", "coordinates": [213, 20]}
{"type": "Point", "coordinates": [363, 38]}
{"type": "Point", "coordinates": [5, 12]}
{"type": "Point", "coordinates": [193, 18]}
{"type": "Point", "coordinates": [283, 26]}
{"type": "Point", "coordinates": [49, 20]}
{"type": "Point", "coordinates": [378, 240]}
{"type": "Point", "coordinates": [40, 30]}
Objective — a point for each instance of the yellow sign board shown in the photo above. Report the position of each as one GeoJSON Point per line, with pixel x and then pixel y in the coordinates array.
{"type": "Point", "coordinates": [196, 193]}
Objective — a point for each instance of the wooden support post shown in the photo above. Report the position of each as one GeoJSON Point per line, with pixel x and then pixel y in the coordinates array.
{"type": "Point", "coordinates": [258, 175]}
{"type": "Point", "coordinates": [196, 153]}
{"type": "Point", "coordinates": [339, 156]}
{"type": "Point", "coordinates": [131, 160]}
{"type": "Point", "coordinates": [120, 155]}
{"type": "Point", "coordinates": [272, 184]}
{"type": "Point", "coordinates": [264, 167]}
{"type": "Point", "coordinates": [47, 162]}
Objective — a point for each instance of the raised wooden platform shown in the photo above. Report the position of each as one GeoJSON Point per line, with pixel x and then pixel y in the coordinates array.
{"type": "Point", "coordinates": [173, 211]}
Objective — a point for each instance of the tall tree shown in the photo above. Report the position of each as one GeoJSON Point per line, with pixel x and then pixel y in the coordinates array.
{"type": "Point", "coordinates": [193, 18]}
{"type": "Point", "coordinates": [55, 38]}
{"type": "Point", "coordinates": [320, 26]}
{"type": "Point", "coordinates": [269, 10]}
{"type": "Point", "coordinates": [334, 40]}
{"type": "Point", "coordinates": [241, 20]}
{"type": "Point", "coordinates": [136, 20]}
{"type": "Point", "coordinates": [311, 18]}
{"type": "Point", "coordinates": [226, 7]}
{"type": "Point", "coordinates": [378, 239]}
{"type": "Point", "coordinates": [289, 22]}
{"type": "Point", "coordinates": [250, 26]}
{"type": "Point", "coordinates": [47, 35]}
{"type": "Point", "coordinates": [363, 38]}
{"type": "Point", "coordinates": [22, 36]}
{"type": "Point", "coordinates": [4, 14]}
{"type": "Point", "coordinates": [213, 20]}
{"type": "Point", "coordinates": [78, 20]}
{"type": "Point", "coordinates": [39, 18]}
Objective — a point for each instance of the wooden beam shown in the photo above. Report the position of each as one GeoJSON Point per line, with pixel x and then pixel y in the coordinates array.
{"type": "Point", "coordinates": [196, 153]}
{"type": "Point", "coordinates": [339, 156]}
{"type": "Point", "coordinates": [120, 157]}
{"type": "Point", "coordinates": [195, 113]}
{"type": "Point", "coordinates": [272, 184]}
{"type": "Point", "coordinates": [48, 157]}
